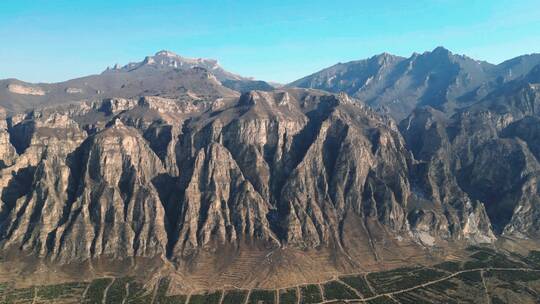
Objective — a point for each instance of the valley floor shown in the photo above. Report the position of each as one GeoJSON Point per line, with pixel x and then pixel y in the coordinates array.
{"type": "Point", "coordinates": [488, 276]}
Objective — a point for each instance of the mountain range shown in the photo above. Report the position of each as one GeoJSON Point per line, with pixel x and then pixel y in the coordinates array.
{"type": "Point", "coordinates": [440, 79]}
{"type": "Point", "coordinates": [164, 74]}
{"type": "Point", "coordinates": [176, 165]}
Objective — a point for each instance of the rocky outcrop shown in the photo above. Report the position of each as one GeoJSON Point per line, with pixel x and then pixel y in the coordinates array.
{"type": "Point", "coordinates": [486, 152]}
{"type": "Point", "coordinates": [7, 151]}
{"type": "Point", "coordinates": [116, 211]}
{"type": "Point", "coordinates": [156, 176]}
{"type": "Point", "coordinates": [94, 199]}
{"type": "Point", "coordinates": [196, 80]}
{"type": "Point", "coordinates": [180, 178]}
{"type": "Point", "coordinates": [159, 159]}
{"type": "Point", "coordinates": [25, 90]}
{"type": "Point", "coordinates": [219, 206]}
{"type": "Point", "coordinates": [35, 187]}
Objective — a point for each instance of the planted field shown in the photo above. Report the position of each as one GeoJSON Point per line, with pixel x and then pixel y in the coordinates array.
{"type": "Point", "coordinates": [235, 296]}
{"type": "Point", "coordinates": [66, 291]}
{"type": "Point", "coordinates": [534, 258]}
{"type": "Point", "coordinates": [471, 277]}
{"type": "Point", "coordinates": [443, 286]}
{"type": "Point", "coordinates": [449, 266]}
{"type": "Point", "coordinates": [137, 294]}
{"type": "Point", "coordinates": [24, 295]}
{"type": "Point", "coordinates": [117, 291]}
{"type": "Point", "coordinates": [4, 287]}
{"type": "Point", "coordinates": [382, 300]}
{"type": "Point", "coordinates": [310, 294]}
{"type": "Point", "coordinates": [486, 257]}
{"type": "Point", "coordinates": [412, 298]}
{"type": "Point", "coordinates": [259, 296]}
{"type": "Point", "coordinates": [176, 299]}
{"type": "Point", "coordinates": [209, 298]}
{"type": "Point", "coordinates": [403, 285]}
{"type": "Point", "coordinates": [162, 288]}
{"type": "Point", "coordinates": [514, 275]}
{"type": "Point", "coordinates": [403, 278]}
{"type": "Point", "coordinates": [358, 283]}
{"type": "Point", "coordinates": [163, 298]}
{"type": "Point", "coordinates": [336, 291]}
{"type": "Point", "coordinates": [440, 292]}
{"type": "Point", "coordinates": [288, 296]}
{"type": "Point", "coordinates": [94, 295]}
{"type": "Point", "coordinates": [475, 248]}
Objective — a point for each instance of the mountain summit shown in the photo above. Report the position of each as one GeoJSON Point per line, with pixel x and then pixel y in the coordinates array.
{"type": "Point", "coordinates": [396, 85]}
{"type": "Point", "coordinates": [164, 74]}
{"type": "Point", "coordinates": [169, 60]}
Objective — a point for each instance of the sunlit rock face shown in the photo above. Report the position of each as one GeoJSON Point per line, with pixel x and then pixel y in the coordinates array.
{"type": "Point", "coordinates": [170, 177]}
{"type": "Point", "coordinates": [193, 168]}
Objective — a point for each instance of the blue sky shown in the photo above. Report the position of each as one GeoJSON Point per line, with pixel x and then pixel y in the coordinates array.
{"type": "Point", "coordinates": [49, 40]}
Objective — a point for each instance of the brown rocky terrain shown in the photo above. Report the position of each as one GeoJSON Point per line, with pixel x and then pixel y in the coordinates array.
{"type": "Point", "coordinates": [279, 173]}
{"type": "Point", "coordinates": [211, 186]}
{"type": "Point", "coordinates": [164, 74]}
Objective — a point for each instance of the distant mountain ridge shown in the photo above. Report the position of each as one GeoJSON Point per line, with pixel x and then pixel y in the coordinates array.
{"type": "Point", "coordinates": [164, 74]}
{"type": "Point", "coordinates": [396, 85]}
{"type": "Point", "coordinates": [166, 60]}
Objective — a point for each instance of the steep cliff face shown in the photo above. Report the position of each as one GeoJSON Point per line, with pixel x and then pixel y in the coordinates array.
{"type": "Point", "coordinates": [283, 169]}
{"type": "Point", "coordinates": [7, 151]}
{"type": "Point", "coordinates": [435, 181]}
{"type": "Point", "coordinates": [289, 147]}
{"type": "Point", "coordinates": [115, 211]}
{"type": "Point", "coordinates": [35, 187]}
{"type": "Point", "coordinates": [219, 206]}
{"type": "Point", "coordinates": [84, 197]}
{"type": "Point", "coordinates": [488, 152]}
{"type": "Point", "coordinates": [213, 184]}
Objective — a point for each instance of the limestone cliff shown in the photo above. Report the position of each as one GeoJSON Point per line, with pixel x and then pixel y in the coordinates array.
{"type": "Point", "coordinates": [295, 168]}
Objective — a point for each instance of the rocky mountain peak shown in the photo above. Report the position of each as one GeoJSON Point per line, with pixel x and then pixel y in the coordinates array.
{"type": "Point", "coordinates": [437, 78]}
{"type": "Point", "coordinates": [385, 59]}
{"type": "Point", "coordinates": [167, 60]}
{"type": "Point", "coordinates": [166, 54]}
{"type": "Point", "coordinates": [171, 59]}
{"type": "Point", "coordinates": [440, 50]}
